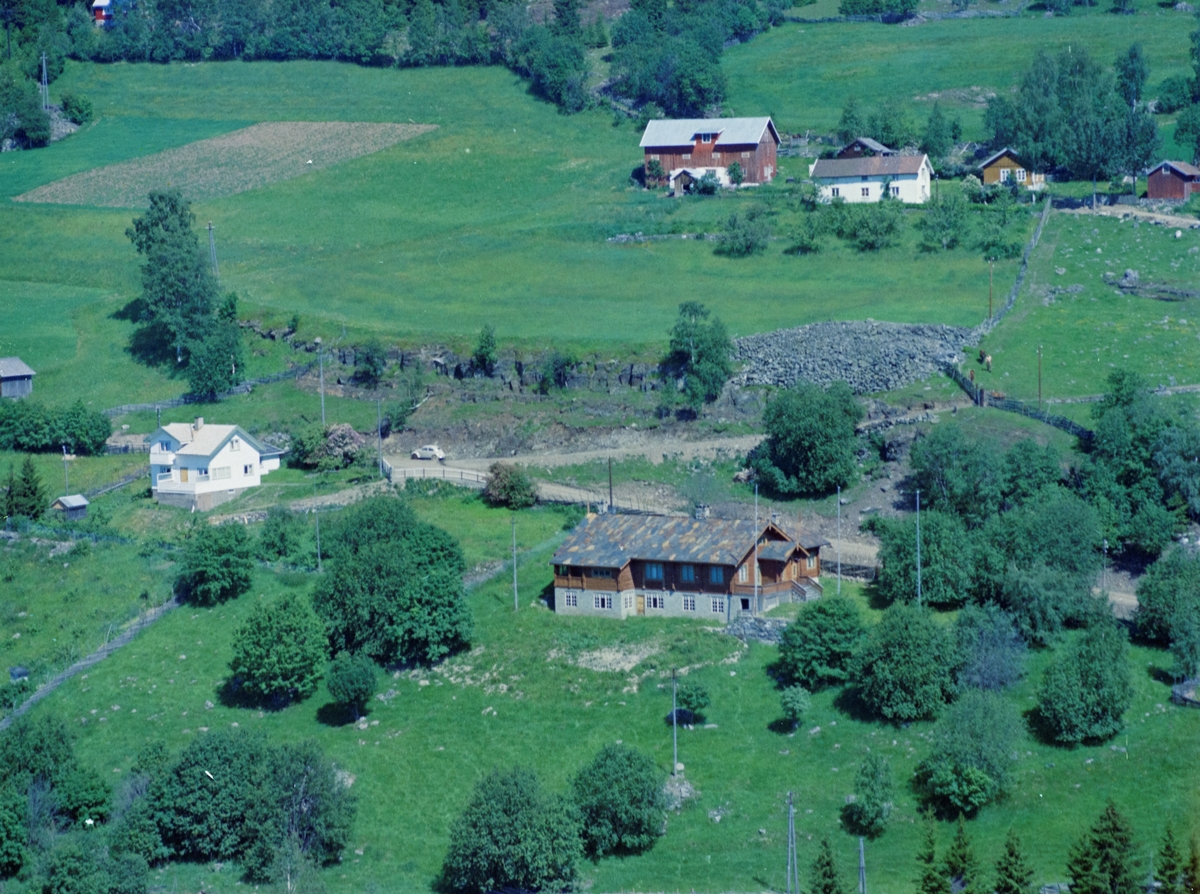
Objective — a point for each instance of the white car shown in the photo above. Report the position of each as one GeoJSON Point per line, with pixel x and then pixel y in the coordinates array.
{"type": "Point", "coordinates": [429, 451]}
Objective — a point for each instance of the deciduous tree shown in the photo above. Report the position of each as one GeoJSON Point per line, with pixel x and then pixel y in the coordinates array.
{"type": "Point", "coordinates": [1087, 687]}
{"type": "Point", "coordinates": [871, 808]}
{"type": "Point", "coordinates": [809, 449]}
{"type": "Point", "coordinates": [968, 763]}
{"type": "Point", "coordinates": [279, 650]}
{"type": "Point", "coordinates": [903, 668]}
{"type": "Point", "coordinates": [217, 564]}
{"type": "Point", "coordinates": [817, 647]}
{"type": "Point", "coordinates": [621, 801]}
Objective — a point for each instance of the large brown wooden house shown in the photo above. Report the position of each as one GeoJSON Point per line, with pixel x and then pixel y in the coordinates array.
{"type": "Point", "coordinates": [621, 565]}
{"type": "Point", "coordinates": [697, 146]}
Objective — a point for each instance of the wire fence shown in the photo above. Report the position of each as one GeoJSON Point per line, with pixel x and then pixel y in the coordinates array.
{"type": "Point", "coordinates": [111, 645]}
{"type": "Point", "coordinates": [182, 401]}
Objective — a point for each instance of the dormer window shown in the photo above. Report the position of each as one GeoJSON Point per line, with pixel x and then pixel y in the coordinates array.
{"type": "Point", "coordinates": [706, 138]}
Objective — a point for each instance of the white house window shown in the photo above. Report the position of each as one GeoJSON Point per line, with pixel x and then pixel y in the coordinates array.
{"type": "Point", "coordinates": [712, 171]}
{"type": "Point", "coordinates": [810, 562]}
{"type": "Point", "coordinates": [603, 602]}
{"type": "Point", "coordinates": [628, 601]}
{"type": "Point", "coordinates": [655, 158]}
{"type": "Point", "coordinates": [235, 444]}
{"type": "Point", "coordinates": [654, 571]}
{"type": "Point", "coordinates": [1020, 175]}
{"type": "Point", "coordinates": [745, 155]}
{"type": "Point", "coordinates": [247, 470]}
{"type": "Point", "coordinates": [223, 472]}
{"type": "Point", "coordinates": [572, 599]}
{"type": "Point", "coordinates": [656, 602]}
{"type": "Point", "coordinates": [716, 575]}
{"type": "Point", "coordinates": [866, 190]}
{"type": "Point", "coordinates": [836, 191]}
{"type": "Point", "coordinates": [895, 190]}
{"type": "Point", "coordinates": [743, 574]}
{"type": "Point", "coordinates": [1004, 172]}
{"type": "Point", "coordinates": [687, 574]}
{"type": "Point", "coordinates": [687, 156]}
{"type": "Point", "coordinates": [716, 155]}
{"type": "Point", "coordinates": [718, 606]}
{"type": "Point", "coordinates": [689, 603]}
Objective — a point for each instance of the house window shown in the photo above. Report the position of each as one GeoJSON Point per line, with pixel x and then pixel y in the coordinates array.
{"type": "Point", "coordinates": [712, 171]}
{"type": "Point", "coordinates": [743, 574]}
{"type": "Point", "coordinates": [836, 192]}
{"type": "Point", "coordinates": [895, 190]}
{"type": "Point", "coordinates": [655, 158]}
{"type": "Point", "coordinates": [1004, 172]}
{"type": "Point", "coordinates": [656, 602]}
{"type": "Point", "coordinates": [628, 601]}
{"type": "Point", "coordinates": [687, 156]}
{"type": "Point", "coordinates": [247, 470]}
{"type": "Point", "coordinates": [1020, 175]}
{"type": "Point", "coordinates": [716, 575]}
{"type": "Point", "coordinates": [687, 574]}
{"type": "Point", "coordinates": [717, 155]}
{"type": "Point", "coordinates": [654, 571]}
{"type": "Point", "coordinates": [706, 138]}
{"type": "Point", "coordinates": [164, 445]}
{"type": "Point", "coordinates": [600, 572]}
{"type": "Point", "coordinates": [572, 599]}
{"type": "Point", "coordinates": [718, 606]}
{"type": "Point", "coordinates": [218, 474]}
{"type": "Point", "coordinates": [866, 190]}
{"type": "Point", "coordinates": [235, 444]}
{"type": "Point", "coordinates": [689, 603]}
{"type": "Point", "coordinates": [603, 602]}
{"type": "Point", "coordinates": [745, 155]}
{"type": "Point", "coordinates": [810, 562]}
{"type": "Point", "coordinates": [204, 471]}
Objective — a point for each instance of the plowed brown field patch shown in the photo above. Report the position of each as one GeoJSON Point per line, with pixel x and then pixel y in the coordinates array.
{"type": "Point", "coordinates": [228, 164]}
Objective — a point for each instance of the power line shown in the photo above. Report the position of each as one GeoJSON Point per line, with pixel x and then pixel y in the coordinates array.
{"type": "Point", "coordinates": [212, 254]}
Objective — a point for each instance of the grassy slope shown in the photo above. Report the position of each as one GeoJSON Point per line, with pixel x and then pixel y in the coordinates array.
{"type": "Point", "coordinates": [415, 767]}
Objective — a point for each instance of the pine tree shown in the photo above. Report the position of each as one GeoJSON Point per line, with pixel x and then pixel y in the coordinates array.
{"type": "Point", "coordinates": [1169, 869]}
{"type": "Point", "coordinates": [825, 878]}
{"type": "Point", "coordinates": [962, 867]}
{"type": "Point", "coordinates": [851, 126]}
{"type": "Point", "coordinates": [931, 879]}
{"type": "Point", "coordinates": [1191, 873]}
{"type": "Point", "coordinates": [30, 499]}
{"type": "Point", "coordinates": [1103, 861]}
{"type": "Point", "coordinates": [10, 493]}
{"type": "Point", "coordinates": [1013, 872]}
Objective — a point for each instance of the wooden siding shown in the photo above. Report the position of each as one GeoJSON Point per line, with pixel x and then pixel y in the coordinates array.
{"type": "Point", "coordinates": [991, 174]}
{"type": "Point", "coordinates": [16, 387]}
{"type": "Point", "coordinates": [758, 161]}
{"type": "Point", "coordinates": [1165, 183]}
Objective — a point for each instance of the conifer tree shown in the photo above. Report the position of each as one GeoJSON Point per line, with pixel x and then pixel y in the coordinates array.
{"type": "Point", "coordinates": [10, 493]}
{"type": "Point", "coordinates": [962, 866]}
{"type": "Point", "coordinates": [1169, 868]}
{"type": "Point", "coordinates": [1191, 873]}
{"type": "Point", "coordinates": [1013, 872]}
{"type": "Point", "coordinates": [29, 497]}
{"type": "Point", "coordinates": [931, 878]}
{"type": "Point", "coordinates": [825, 878]}
{"type": "Point", "coordinates": [1103, 861]}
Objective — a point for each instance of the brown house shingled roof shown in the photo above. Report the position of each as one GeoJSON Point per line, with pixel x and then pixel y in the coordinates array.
{"type": "Point", "coordinates": [868, 166]}
{"type": "Point", "coordinates": [610, 541]}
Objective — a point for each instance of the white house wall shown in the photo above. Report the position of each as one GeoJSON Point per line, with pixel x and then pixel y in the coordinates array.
{"type": "Point", "coordinates": [913, 189]}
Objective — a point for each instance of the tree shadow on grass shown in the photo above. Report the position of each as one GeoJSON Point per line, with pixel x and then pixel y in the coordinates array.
{"type": "Point", "coordinates": [1160, 675]}
{"type": "Point", "coordinates": [335, 714]}
{"type": "Point", "coordinates": [850, 704]}
{"type": "Point", "coordinates": [234, 695]}
{"type": "Point", "coordinates": [782, 726]}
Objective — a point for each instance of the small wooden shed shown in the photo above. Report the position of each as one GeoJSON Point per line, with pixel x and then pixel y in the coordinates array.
{"type": "Point", "coordinates": [865, 147]}
{"type": "Point", "coordinates": [1173, 180]}
{"type": "Point", "coordinates": [73, 507]}
{"type": "Point", "coordinates": [16, 378]}
{"type": "Point", "coordinates": [102, 11]}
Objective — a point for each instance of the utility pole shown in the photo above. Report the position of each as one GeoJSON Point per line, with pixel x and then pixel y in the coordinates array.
{"type": "Point", "coordinates": [918, 547]}
{"type": "Point", "coordinates": [321, 367]}
{"type": "Point", "coordinates": [862, 868]}
{"type": "Point", "coordinates": [991, 283]}
{"type": "Point", "coordinates": [839, 539]}
{"type": "Point", "coordinates": [611, 507]}
{"type": "Point", "coordinates": [317, 517]}
{"type": "Point", "coordinates": [212, 254]}
{"type": "Point", "coordinates": [793, 867]}
{"type": "Point", "coordinates": [379, 431]}
{"type": "Point", "coordinates": [158, 416]}
{"type": "Point", "coordinates": [1039, 377]}
{"type": "Point", "coordinates": [674, 727]}
{"type": "Point", "coordinates": [516, 604]}
{"type": "Point", "coordinates": [45, 86]}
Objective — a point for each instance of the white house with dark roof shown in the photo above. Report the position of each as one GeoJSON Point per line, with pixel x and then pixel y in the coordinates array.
{"type": "Point", "coordinates": [16, 378]}
{"type": "Point", "coordinates": [199, 466]}
{"type": "Point", "coordinates": [867, 179]}
{"type": "Point", "coordinates": [699, 146]}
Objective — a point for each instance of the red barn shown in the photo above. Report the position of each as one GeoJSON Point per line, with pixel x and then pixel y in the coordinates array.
{"type": "Point", "coordinates": [710, 145]}
{"type": "Point", "coordinates": [1173, 180]}
{"type": "Point", "coordinates": [102, 11]}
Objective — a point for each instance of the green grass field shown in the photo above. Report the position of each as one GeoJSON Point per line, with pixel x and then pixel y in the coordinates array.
{"type": "Point", "coordinates": [521, 696]}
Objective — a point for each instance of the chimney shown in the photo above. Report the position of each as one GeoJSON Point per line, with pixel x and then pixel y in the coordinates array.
{"type": "Point", "coordinates": [199, 423]}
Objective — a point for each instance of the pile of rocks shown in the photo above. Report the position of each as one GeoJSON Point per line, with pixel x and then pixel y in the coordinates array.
{"type": "Point", "coordinates": [761, 630]}
{"type": "Point", "coordinates": [868, 355]}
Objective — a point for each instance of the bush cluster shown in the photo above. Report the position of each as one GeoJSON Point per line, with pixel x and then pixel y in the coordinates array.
{"type": "Point", "coordinates": [31, 427]}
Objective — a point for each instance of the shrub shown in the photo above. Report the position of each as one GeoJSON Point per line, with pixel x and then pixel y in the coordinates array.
{"type": "Point", "coordinates": [283, 534]}
{"type": "Point", "coordinates": [279, 651]}
{"type": "Point", "coordinates": [370, 363]}
{"type": "Point", "coordinates": [736, 174]}
{"type": "Point", "coordinates": [512, 834]}
{"type": "Point", "coordinates": [352, 680]}
{"type": "Point", "coordinates": [945, 223]}
{"type": "Point", "coordinates": [217, 564]}
{"type": "Point", "coordinates": [744, 234]}
{"type": "Point", "coordinates": [1043, 600]}
{"type": "Point", "coordinates": [555, 371]}
{"type": "Point", "coordinates": [956, 474]}
{"type": "Point", "coordinates": [701, 352]}
{"type": "Point", "coordinates": [13, 833]}
{"type": "Point", "coordinates": [621, 801]}
{"type": "Point", "coordinates": [83, 794]}
{"type": "Point", "coordinates": [968, 764]}
{"type": "Point", "coordinates": [809, 449]}
{"type": "Point", "coordinates": [902, 669]}
{"type": "Point", "coordinates": [315, 446]}
{"type": "Point", "coordinates": [510, 486]}
{"type": "Point", "coordinates": [991, 651]}
{"type": "Point", "coordinates": [485, 356]}
{"type": "Point", "coordinates": [946, 559]}
{"type": "Point", "coordinates": [708, 185]}
{"type": "Point", "coordinates": [1174, 94]}
{"type": "Point", "coordinates": [36, 746]}
{"type": "Point", "coordinates": [816, 648]}
{"type": "Point", "coordinates": [806, 237]}
{"type": "Point", "coordinates": [692, 697]}
{"type": "Point", "coordinates": [1087, 687]}
{"type": "Point", "coordinates": [868, 813]}
{"type": "Point", "coordinates": [872, 227]}
{"type": "Point", "coordinates": [796, 702]}
{"type": "Point", "coordinates": [30, 427]}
